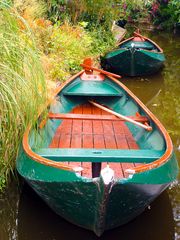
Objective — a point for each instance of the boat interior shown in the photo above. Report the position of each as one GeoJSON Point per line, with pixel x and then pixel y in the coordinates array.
{"type": "Point", "coordinates": [146, 45]}
{"type": "Point", "coordinates": [80, 134]}
{"type": "Point", "coordinates": [95, 134]}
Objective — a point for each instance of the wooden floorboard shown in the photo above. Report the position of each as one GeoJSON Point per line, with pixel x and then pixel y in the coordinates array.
{"type": "Point", "coordinates": [97, 134]}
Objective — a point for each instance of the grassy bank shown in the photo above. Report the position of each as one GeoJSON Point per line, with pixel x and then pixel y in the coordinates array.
{"type": "Point", "coordinates": [22, 86]}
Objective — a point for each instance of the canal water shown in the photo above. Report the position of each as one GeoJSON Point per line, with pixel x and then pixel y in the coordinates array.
{"type": "Point", "coordinates": [24, 216]}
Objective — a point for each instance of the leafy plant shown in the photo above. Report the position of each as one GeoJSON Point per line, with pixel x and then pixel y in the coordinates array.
{"type": "Point", "coordinates": [166, 14]}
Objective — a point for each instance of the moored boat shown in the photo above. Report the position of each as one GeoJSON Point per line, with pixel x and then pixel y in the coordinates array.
{"type": "Point", "coordinates": [134, 56]}
{"type": "Point", "coordinates": [99, 157]}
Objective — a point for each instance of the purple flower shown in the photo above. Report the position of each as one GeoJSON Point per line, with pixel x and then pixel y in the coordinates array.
{"type": "Point", "coordinates": [124, 6]}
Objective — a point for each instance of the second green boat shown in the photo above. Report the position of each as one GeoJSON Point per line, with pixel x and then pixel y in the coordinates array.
{"type": "Point", "coordinates": [135, 56]}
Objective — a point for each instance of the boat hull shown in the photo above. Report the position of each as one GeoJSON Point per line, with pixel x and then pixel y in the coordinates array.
{"type": "Point", "coordinates": [91, 203]}
{"type": "Point", "coordinates": [130, 62]}
{"type": "Point", "coordinates": [85, 205]}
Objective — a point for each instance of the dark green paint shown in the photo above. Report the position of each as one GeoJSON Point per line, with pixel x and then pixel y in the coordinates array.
{"type": "Point", "coordinates": [88, 202]}
{"type": "Point", "coordinates": [141, 59]}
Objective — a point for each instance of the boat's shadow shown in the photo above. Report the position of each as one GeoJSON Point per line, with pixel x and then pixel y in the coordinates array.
{"type": "Point", "coordinates": [36, 221]}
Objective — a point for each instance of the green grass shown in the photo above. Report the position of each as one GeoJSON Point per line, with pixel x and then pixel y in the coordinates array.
{"type": "Point", "coordinates": [22, 87]}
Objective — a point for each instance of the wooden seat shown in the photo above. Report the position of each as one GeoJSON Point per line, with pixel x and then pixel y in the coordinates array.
{"type": "Point", "coordinates": [93, 117]}
{"type": "Point", "coordinates": [90, 127]}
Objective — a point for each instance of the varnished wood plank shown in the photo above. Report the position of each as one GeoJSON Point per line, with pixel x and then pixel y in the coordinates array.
{"type": "Point", "coordinates": [97, 125]}
{"type": "Point", "coordinates": [87, 124]}
{"type": "Point", "coordinates": [65, 140]}
{"type": "Point", "coordinates": [118, 127]}
{"type": "Point", "coordinates": [87, 141]}
{"type": "Point", "coordinates": [66, 126]}
{"type": "Point", "coordinates": [99, 141]}
{"type": "Point", "coordinates": [110, 142]}
{"type": "Point", "coordinates": [107, 127]}
{"type": "Point", "coordinates": [77, 124]}
{"type": "Point", "coordinates": [121, 142]}
{"type": "Point", "coordinates": [76, 141]}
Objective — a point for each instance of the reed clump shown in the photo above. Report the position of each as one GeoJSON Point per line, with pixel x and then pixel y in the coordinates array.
{"type": "Point", "coordinates": [22, 86]}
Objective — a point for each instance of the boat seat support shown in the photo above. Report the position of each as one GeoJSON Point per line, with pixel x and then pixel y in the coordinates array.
{"type": "Point", "coordinates": [99, 155]}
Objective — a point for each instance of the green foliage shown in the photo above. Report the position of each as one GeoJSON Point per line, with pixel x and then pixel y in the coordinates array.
{"type": "Point", "coordinates": [168, 14]}
{"type": "Point", "coordinates": [103, 41]}
{"type": "Point", "coordinates": [97, 12]}
{"type": "Point", "coordinates": [70, 45]}
{"type": "Point", "coordinates": [22, 86]}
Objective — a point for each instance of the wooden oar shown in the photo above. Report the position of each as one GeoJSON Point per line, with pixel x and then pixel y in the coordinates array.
{"type": "Point", "coordinates": [88, 67]}
{"type": "Point", "coordinates": [148, 128]}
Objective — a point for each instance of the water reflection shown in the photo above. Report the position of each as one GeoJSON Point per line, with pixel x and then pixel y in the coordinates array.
{"type": "Point", "coordinates": [9, 202]}
{"type": "Point", "coordinates": [37, 221]}
{"type": "Point", "coordinates": [146, 88]}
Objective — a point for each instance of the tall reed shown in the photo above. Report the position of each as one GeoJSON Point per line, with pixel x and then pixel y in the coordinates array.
{"type": "Point", "coordinates": [22, 86]}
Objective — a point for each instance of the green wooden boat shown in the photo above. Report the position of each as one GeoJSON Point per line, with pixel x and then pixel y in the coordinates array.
{"type": "Point", "coordinates": [98, 157]}
{"type": "Point", "coordinates": [135, 56]}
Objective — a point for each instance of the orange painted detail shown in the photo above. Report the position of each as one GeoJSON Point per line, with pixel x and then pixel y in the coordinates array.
{"type": "Point", "coordinates": [92, 77]}
{"type": "Point", "coordinates": [88, 62]}
{"type": "Point", "coordinates": [138, 39]}
{"type": "Point", "coordinates": [87, 67]}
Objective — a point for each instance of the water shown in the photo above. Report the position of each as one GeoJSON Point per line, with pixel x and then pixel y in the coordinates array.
{"type": "Point", "coordinates": [24, 216]}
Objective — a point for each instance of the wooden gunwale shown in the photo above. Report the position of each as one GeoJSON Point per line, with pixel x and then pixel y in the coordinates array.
{"type": "Point", "coordinates": [160, 49]}
{"type": "Point", "coordinates": [138, 169]}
